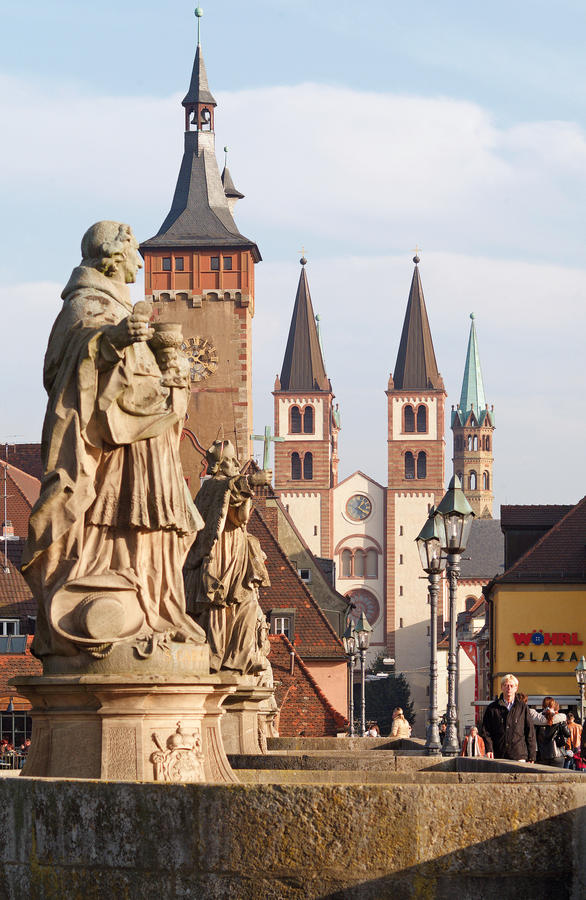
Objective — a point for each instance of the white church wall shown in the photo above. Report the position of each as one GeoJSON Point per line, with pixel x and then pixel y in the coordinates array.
{"type": "Point", "coordinates": [305, 510]}
{"type": "Point", "coordinates": [285, 404]}
{"type": "Point", "coordinates": [397, 419]}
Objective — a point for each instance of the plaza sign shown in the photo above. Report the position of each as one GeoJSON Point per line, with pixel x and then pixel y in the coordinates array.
{"type": "Point", "coordinates": [550, 639]}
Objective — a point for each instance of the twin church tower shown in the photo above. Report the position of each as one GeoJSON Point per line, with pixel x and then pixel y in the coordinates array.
{"type": "Point", "coordinates": [199, 271]}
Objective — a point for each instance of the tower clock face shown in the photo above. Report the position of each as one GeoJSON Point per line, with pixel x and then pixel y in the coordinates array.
{"type": "Point", "coordinates": [358, 507]}
{"type": "Point", "coordinates": [202, 357]}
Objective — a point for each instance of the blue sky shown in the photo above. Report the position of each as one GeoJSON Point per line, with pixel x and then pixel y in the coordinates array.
{"type": "Point", "coordinates": [356, 131]}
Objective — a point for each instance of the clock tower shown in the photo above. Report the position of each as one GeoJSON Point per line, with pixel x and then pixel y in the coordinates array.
{"type": "Point", "coordinates": [199, 271]}
{"type": "Point", "coordinates": [306, 460]}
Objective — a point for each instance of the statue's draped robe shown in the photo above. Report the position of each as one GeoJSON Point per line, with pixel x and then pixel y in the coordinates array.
{"type": "Point", "coordinates": [223, 572]}
{"type": "Point", "coordinates": [114, 509]}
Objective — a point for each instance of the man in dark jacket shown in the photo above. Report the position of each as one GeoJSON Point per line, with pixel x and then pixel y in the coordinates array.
{"type": "Point", "coordinates": [507, 727]}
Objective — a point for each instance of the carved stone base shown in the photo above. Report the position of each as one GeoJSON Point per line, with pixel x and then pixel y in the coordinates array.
{"type": "Point", "coordinates": [243, 726]}
{"type": "Point", "coordinates": [125, 728]}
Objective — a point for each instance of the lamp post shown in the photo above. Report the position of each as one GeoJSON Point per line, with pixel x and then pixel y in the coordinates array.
{"type": "Point", "coordinates": [362, 631]}
{"type": "Point", "coordinates": [580, 671]}
{"type": "Point", "coordinates": [433, 562]}
{"type": "Point", "coordinates": [454, 519]}
{"type": "Point", "coordinates": [349, 640]}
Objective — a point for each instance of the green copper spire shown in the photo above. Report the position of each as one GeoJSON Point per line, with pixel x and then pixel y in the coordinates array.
{"type": "Point", "coordinates": [472, 396]}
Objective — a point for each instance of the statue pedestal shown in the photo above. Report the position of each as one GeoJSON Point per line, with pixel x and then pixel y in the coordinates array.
{"type": "Point", "coordinates": [243, 726]}
{"type": "Point", "coordinates": [127, 727]}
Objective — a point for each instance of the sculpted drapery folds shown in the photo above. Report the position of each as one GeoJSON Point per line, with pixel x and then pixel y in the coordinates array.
{"type": "Point", "coordinates": [114, 521]}
{"type": "Point", "coordinates": [225, 567]}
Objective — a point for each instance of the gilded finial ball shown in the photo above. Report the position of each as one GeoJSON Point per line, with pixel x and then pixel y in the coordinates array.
{"type": "Point", "coordinates": [303, 261]}
{"type": "Point", "coordinates": [416, 260]}
{"type": "Point", "coordinates": [472, 315]}
{"type": "Point", "coordinates": [198, 12]}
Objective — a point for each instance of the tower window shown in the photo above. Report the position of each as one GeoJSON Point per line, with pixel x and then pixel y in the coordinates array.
{"type": "Point", "coordinates": [487, 442]}
{"type": "Point", "coordinates": [473, 481]}
{"type": "Point", "coordinates": [408, 419]}
{"type": "Point", "coordinates": [179, 263]}
{"type": "Point", "coordinates": [371, 564]}
{"type": "Point", "coordinates": [308, 466]}
{"type": "Point", "coordinates": [400, 590]}
{"type": "Point", "coordinates": [475, 442]}
{"type": "Point", "coordinates": [400, 559]}
{"type": "Point", "coordinates": [206, 120]}
{"type": "Point", "coordinates": [359, 564]}
{"type": "Point", "coordinates": [409, 465]}
{"type": "Point", "coordinates": [308, 420]}
{"type": "Point", "coordinates": [422, 419]}
{"type": "Point", "coordinates": [422, 465]}
{"type": "Point", "coordinates": [215, 263]}
{"type": "Point", "coordinates": [400, 623]}
{"type": "Point", "coordinates": [346, 564]}
{"type": "Point", "coordinates": [295, 420]}
{"type": "Point", "coordinates": [400, 531]}
{"type": "Point", "coordinates": [470, 442]}
{"type": "Point", "coordinates": [486, 481]}
{"type": "Point", "coordinates": [295, 467]}
{"type": "Point", "coordinates": [227, 264]}
{"type": "Point", "coordinates": [166, 264]}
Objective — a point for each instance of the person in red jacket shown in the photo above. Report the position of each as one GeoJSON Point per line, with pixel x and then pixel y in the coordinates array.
{"type": "Point", "coordinates": [473, 744]}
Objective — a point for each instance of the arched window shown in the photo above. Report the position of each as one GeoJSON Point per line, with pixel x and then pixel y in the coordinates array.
{"type": "Point", "coordinates": [473, 481]}
{"type": "Point", "coordinates": [461, 477]}
{"type": "Point", "coordinates": [346, 564]}
{"type": "Point", "coordinates": [475, 443]}
{"type": "Point", "coordinates": [458, 443]}
{"type": "Point", "coordinates": [295, 420]}
{"type": "Point", "coordinates": [422, 419]}
{"type": "Point", "coordinates": [422, 465]}
{"type": "Point", "coordinates": [295, 467]}
{"type": "Point", "coordinates": [409, 465]}
{"type": "Point", "coordinates": [470, 442]}
{"type": "Point", "coordinates": [308, 466]}
{"type": "Point", "coordinates": [359, 564]}
{"type": "Point", "coordinates": [366, 602]}
{"type": "Point", "coordinates": [371, 563]}
{"type": "Point", "coordinates": [206, 120]}
{"type": "Point", "coordinates": [486, 481]}
{"type": "Point", "coordinates": [487, 442]}
{"type": "Point", "coordinates": [408, 419]}
{"type": "Point", "coordinates": [308, 420]}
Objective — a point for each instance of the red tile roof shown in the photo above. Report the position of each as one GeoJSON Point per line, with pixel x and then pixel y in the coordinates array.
{"type": "Point", "coordinates": [559, 555]}
{"type": "Point", "coordinates": [314, 636]}
{"type": "Point", "coordinates": [303, 705]}
{"type": "Point", "coordinates": [23, 491]}
{"type": "Point", "coordinates": [16, 600]}
{"type": "Point", "coordinates": [533, 517]}
{"type": "Point", "coordinates": [26, 457]}
{"type": "Point", "coordinates": [17, 665]}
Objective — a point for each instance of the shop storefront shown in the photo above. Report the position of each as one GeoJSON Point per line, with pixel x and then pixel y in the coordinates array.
{"type": "Point", "coordinates": [538, 633]}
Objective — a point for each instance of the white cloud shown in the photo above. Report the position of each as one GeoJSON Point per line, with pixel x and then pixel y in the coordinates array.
{"type": "Point", "coordinates": [370, 174]}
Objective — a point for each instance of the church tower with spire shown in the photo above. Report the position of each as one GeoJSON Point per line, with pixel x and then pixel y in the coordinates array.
{"type": "Point", "coordinates": [472, 428]}
{"type": "Point", "coordinates": [416, 461]}
{"type": "Point", "coordinates": [306, 456]}
{"type": "Point", "coordinates": [199, 271]}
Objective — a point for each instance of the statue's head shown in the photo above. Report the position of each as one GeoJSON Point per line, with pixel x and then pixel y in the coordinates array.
{"type": "Point", "coordinates": [221, 457]}
{"type": "Point", "coordinates": [112, 249]}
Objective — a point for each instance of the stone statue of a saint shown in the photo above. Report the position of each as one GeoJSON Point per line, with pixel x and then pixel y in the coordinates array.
{"type": "Point", "coordinates": [225, 567]}
{"type": "Point", "coordinates": [114, 522]}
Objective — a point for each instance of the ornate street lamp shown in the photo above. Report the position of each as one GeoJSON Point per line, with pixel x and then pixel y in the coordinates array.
{"type": "Point", "coordinates": [349, 640]}
{"type": "Point", "coordinates": [580, 671]}
{"type": "Point", "coordinates": [363, 632]}
{"type": "Point", "coordinates": [454, 519]}
{"type": "Point", "coordinates": [433, 562]}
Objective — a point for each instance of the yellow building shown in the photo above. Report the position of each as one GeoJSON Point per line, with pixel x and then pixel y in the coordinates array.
{"type": "Point", "coordinates": [537, 612]}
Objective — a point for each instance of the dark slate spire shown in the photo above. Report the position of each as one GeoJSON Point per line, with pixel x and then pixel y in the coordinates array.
{"type": "Point", "coordinates": [229, 186]}
{"type": "Point", "coordinates": [199, 89]}
{"type": "Point", "coordinates": [201, 213]}
{"type": "Point", "coordinates": [416, 367]}
{"type": "Point", "coordinates": [303, 365]}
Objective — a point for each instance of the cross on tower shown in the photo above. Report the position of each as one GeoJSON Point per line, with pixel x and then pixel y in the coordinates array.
{"type": "Point", "coordinates": [266, 438]}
